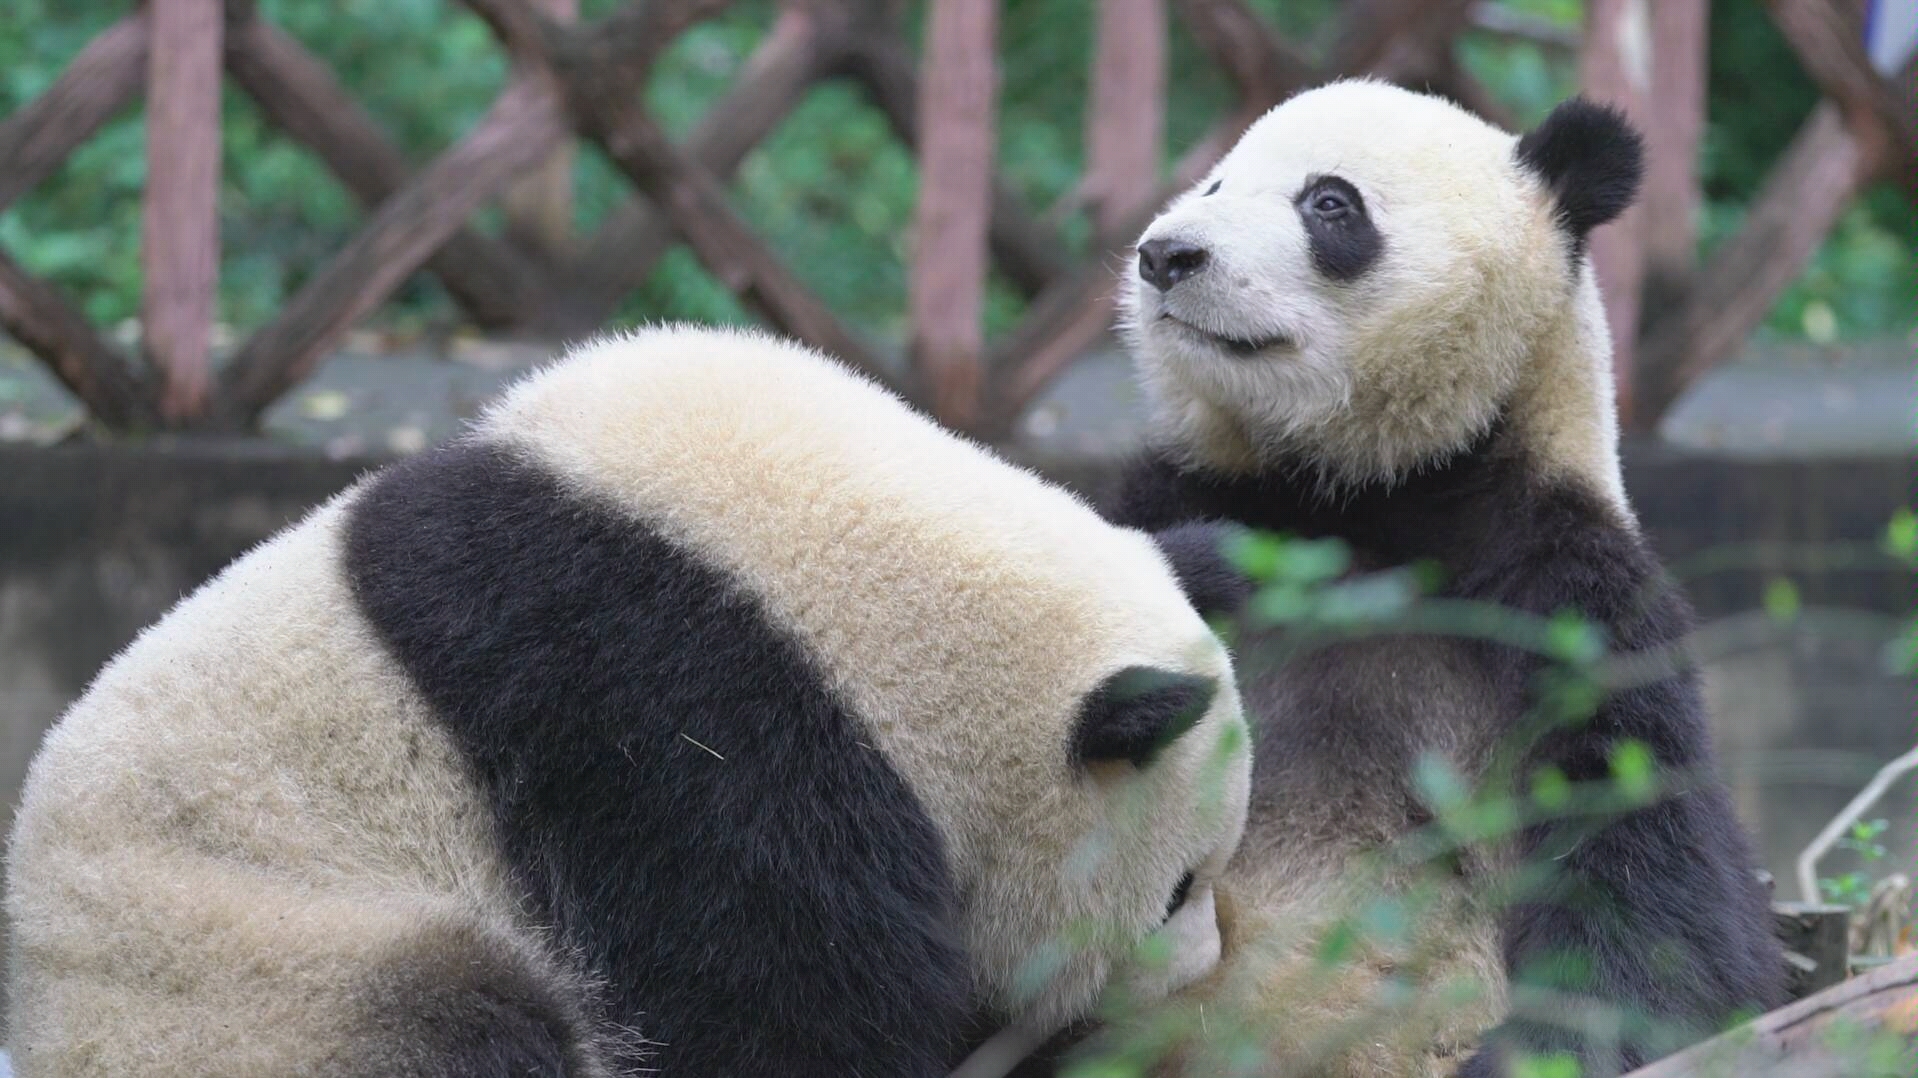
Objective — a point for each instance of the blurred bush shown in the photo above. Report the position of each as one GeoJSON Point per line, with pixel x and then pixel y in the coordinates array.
{"type": "Point", "coordinates": [832, 189]}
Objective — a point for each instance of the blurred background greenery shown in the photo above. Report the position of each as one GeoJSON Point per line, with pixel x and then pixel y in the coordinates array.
{"type": "Point", "coordinates": [833, 189]}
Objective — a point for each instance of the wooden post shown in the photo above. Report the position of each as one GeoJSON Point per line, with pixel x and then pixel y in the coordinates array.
{"type": "Point", "coordinates": [1127, 117]}
{"type": "Point", "coordinates": [1674, 130]}
{"type": "Point", "coordinates": [1616, 68]}
{"type": "Point", "coordinates": [539, 207]}
{"type": "Point", "coordinates": [1817, 938]}
{"type": "Point", "coordinates": [180, 233]}
{"type": "Point", "coordinates": [947, 280]}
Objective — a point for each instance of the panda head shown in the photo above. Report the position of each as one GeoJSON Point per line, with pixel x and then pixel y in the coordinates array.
{"type": "Point", "coordinates": [1371, 275]}
{"type": "Point", "coordinates": [1036, 676]}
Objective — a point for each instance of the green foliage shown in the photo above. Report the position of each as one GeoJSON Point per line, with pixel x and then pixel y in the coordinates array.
{"type": "Point", "coordinates": [1781, 599]}
{"type": "Point", "coordinates": [1379, 926]}
{"type": "Point", "coordinates": [1854, 888]}
{"type": "Point", "coordinates": [832, 189]}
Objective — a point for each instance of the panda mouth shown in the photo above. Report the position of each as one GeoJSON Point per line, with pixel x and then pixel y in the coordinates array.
{"type": "Point", "coordinates": [1238, 346]}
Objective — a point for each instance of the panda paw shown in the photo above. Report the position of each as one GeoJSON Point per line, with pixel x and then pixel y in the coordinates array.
{"type": "Point", "coordinates": [1196, 551]}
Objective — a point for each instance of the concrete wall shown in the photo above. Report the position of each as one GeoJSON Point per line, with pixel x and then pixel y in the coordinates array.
{"type": "Point", "coordinates": [95, 543]}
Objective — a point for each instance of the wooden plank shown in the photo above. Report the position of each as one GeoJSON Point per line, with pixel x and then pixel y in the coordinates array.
{"type": "Point", "coordinates": [1401, 40]}
{"type": "Point", "coordinates": [1126, 118]}
{"type": "Point", "coordinates": [615, 54]}
{"type": "Point", "coordinates": [180, 228]}
{"type": "Point", "coordinates": [1786, 223]}
{"type": "Point", "coordinates": [634, 237]}
{"type": "Point", "coordinates": [496, 287]}
{"type": "Point", "coordinates": [1829, 39]}
{"type": "Point", "coordinates": [539, 205]}
{"type": "Point", "coordinates": [1616, 67]}
{"type": "Point", "coordinates": [696, 205]}
{"type": "Point", "coordinates": [104, 78]}
{"type": "Point", "coordinates": [1030, 252]}
{"type": "Point", "coordinates": [603, 68]}
{"type": "Point", "coordinates": [517, 133]}
{"type": "Point", "coordinates": [1817, 1037]}
{"type": "Point", "coordinates": [1062, 323]}
{"type": "Point", "coordinates": [1264, 66]}
{"type": "Point", "coordinates": [947, 278]}
{"type": "Point", "coordinates": [1674, 132]}
{"type": "Point", "coordinates": [34, 314]}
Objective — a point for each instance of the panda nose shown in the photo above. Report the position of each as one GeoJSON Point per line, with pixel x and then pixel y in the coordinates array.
{"type": "Point", "coordinates": [1164, 263]}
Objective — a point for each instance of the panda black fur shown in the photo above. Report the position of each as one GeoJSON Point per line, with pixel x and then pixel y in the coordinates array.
{"type": "Point", "coordinates": [1375, 320]}
{"type": "Point", "coordinates": [704, 710]}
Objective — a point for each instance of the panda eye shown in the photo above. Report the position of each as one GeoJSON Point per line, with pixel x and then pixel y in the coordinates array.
{"type": "Point", "coordinates": [1214, 189]}
{"type": "Point", "coordinates": [1331, 205]}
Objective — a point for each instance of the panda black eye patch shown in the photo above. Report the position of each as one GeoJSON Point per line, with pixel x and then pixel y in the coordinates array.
{"type": "Point", "coordinates": [1344, 241]}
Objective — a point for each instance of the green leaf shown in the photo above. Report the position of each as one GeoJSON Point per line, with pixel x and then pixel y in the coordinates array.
{"type": "Point", "coordinates": [1278, 604]}
{"type": "Point", "coordinates": [1569, 637]}
{"type": "Point", "coordinates": [1314, 560]}
{"type": "Point", "coordinates": [1255, 553]}
{"type": "Point", "coordinates": [1556, 1065]}
{"type": "Point", "coordinates": [1901, 535]}
{"type": "Point", "coordinates": [1633, 770]}
{"type": "Point", "coordinates": [1375, 598]}
{"type": "Point", "coordinates": [1781, 599]}
{"type": "Point", "coordinates": [1551, 789]}
{"type": "Point", "coordinates": [1439, 783]}
{"type": "Point", "coordinates": [1337, 945]}
{"type": "Point", "coordinates": [1901, 652]}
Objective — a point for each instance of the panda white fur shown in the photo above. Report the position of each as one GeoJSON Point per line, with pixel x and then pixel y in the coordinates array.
{"type": "Point", "coordinates": [703, 710]}
{"type": "Point", "coordinates": [1375, 320]}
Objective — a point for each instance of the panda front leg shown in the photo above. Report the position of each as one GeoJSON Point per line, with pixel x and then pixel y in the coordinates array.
{"type": "Point", "coordinates": [1652, 933]}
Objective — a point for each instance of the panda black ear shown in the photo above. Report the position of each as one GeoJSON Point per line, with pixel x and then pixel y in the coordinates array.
{"type": "Point", "coordinates": [1137, 712]}
{"type": "Point", "coordinates": [1591, 159]}
{"type": "Point", "coordinates": [1196, 552]}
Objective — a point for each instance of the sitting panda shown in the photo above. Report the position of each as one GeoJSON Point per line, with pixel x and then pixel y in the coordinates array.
{"type": "Point", "coordinates": [704, 710]}
{"type": "Point", "coordinates": [1375, 320]}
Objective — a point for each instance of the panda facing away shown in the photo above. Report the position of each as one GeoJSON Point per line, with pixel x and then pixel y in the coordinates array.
{"type": "Point", "coordinates": [1375, 320]}
{"type": "Point", "coordinates": [703, 711]}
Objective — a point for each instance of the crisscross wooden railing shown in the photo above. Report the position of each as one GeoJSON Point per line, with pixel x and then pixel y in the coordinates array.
{"type": "Point", "coordinates": [585, 80]}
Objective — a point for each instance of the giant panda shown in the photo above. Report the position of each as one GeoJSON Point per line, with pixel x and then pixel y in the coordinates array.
{"type": "Point", "coordinates": [1375, 321]}
{"type": "Point", "coordinates": [702, 711]}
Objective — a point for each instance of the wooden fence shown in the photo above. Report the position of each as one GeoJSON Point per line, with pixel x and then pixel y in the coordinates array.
{"type": "Point", "coordinates": [1673, 320]}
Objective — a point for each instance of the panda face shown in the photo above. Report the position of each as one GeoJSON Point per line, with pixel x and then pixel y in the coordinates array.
{"type": "Point", "coordinates": [1361, 278]}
